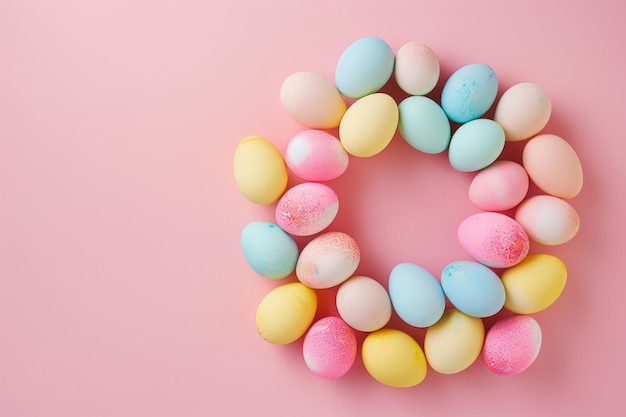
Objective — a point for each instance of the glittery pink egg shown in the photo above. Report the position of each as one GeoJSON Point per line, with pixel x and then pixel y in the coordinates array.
{"type": "Point", "coordinates": [307, 208]}
{"type": "Point", "coordinates": [315, 155]}
{"type": "Point", "coordinates": [493, 239]}
{"type": "Point", "coordinates": [329, 348]}
{"type": "Point", "coordinates": [512, 345]}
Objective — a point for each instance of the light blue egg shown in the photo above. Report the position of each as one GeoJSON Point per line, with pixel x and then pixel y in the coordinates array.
{"type": "Point", "coordinates": [364, 67]}
{"type": "Point", "coordinates": [476, 145]}
{"type": "Point", "coordinates": [416, 295]}
{"type": "Point", "coordinates": [469, 92]}
{"type": "Point", "coordinates": [473, 288]}
{"type": "Point", "coordinates": [269, 250]}
{"type": "Point", "coordinates": [424, 125]}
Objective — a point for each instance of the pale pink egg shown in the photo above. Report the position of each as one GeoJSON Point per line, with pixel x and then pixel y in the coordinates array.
{"type": "Point", "coordinates": [307, 208]}
{"type": "Point", "coordinates": [512, 344]}
{"type": "Point", "coordinates": [416, 68]}
{"type": "Point", "coordinates": [315, 155]}
{"type": "Point", "coordinates": [493, 239]}
{"type": "Point", "coordinates": [523, 111]}
{"type": "Point", "coordinates": [364, 304]}
{"type": "Point", "coordinates": [548, 220]}
{"type": "Point", "coordinates": [329, 348]}
{"type": "Point", "coordinates": [500, 186]}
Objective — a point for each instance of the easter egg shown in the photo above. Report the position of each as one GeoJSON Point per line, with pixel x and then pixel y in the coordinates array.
{"type": "Point", "coordinates": [501, 186]}
{"type": "Point", "coordinates": [312, 100]}
{"type": "Point", "coordinates": [475, 145]}
{"type": "Point", "coordinates": [523, 111]}
{"type": "Point", "coordinates": [423, 124]}
{"type": "Point", "coordinates": [454, 342]}
{"type": "Point", "coordinates": [307, 209]}
{"type": "Point", "coordinates": [316, 155]}
{"type": "Point", "coordinates": [416, 69]}
{"type": "Point", "coordinates": [469, 92]}
{"type": "Point", "coordinates": [512, 344]}
{"type": "Point", "coordinates": [553, 165]}
{"type": "Point", "coordinates": [416, 295]}
{"type": "Point", "coordinates": [364, 67]}
{"type": "Point", "coordinates": [285, 313]}
{"type": "Point", "coordinates": [329, 348]}
{"type": "Point", "coordinates": [548, 220]}
{"type": "Point", "coordinates": [328, 260]}
{"type": "Point", "coordinates": [269, 250]}
{"type": "Point", "coordinates": [369, 124]}
{"type": "Point", "coordinates": [534, 284]}
{"type": "Point", "coordinates": [260, 171]}
{"type": "Point", "coordinates": [473, 288]}
{"type": "Point", "coordinates": [394, 358]}
{"type": "Point", "coordinates": [363, 303]}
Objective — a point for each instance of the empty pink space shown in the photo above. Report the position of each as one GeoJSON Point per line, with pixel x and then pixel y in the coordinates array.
{"type": "Point", "coordinates": [123, 287]}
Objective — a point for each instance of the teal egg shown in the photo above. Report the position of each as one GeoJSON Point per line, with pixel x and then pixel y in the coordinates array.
{"type": "Point", "coordinates": [476, 145]}
{"type": "Point", "coordinates": [469, 92]}
{"type": "Point", "coordinates": [269, 250]}
{"type": "Point", "coordinates": [424, 124]}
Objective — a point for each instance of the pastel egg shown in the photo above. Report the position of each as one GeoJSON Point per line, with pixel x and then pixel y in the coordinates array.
{"type": "Point", "coordinates": [548, 220]}
{"type": "Point", "coordinates": [469, 92]}
{"type": "Point", "coordinates": [512, 344]}
{"type": "Point", "coordinates": [493, 239]}
{"type": "Point", "coordinates": [269, 250]}
{"type": "Point", "coordinates": [315, 155]}
{"type": "Point", "coordinates": [523, 111]}
{"type": "Point", "coordinates": [329, 348]}
{"type": "Point", "coordinates": [475, 145]}
{"type": "Point", "coordinates": [534, 284]}
{"type": "Point", "coordinates": [285, 313]}
{"type": "Point", "coordinates": [501, 186]}
{"type": "Point", "coordinates": [312, 100]}
{"type": "Point", "coordinates": [416, 69]}
{"type": "Point", "coordinates": [423, 124]}
{"type": "Point", "coordinates": [473, 288]}
{"type": "Point", "coordinates": [416, 295]}
{"type": "Point", "coordinates": [394, 358]}
{"type": "Point", "coordinates": [369, 124]}
{"type": "Point", "coordinates": [307, 208]}
{"type": "Point", "coordinates": [328, 260]}
{"type": "Point", "coordinates": [553, 165]}
{"type": "Point", "coordinates": [260, 172]}
{"type": "Point", "coordinates": [454, 342]}
{"type": "Point", "coordinates": [364, 304]}
{"type": "Point", "coordinates": [364, 67]}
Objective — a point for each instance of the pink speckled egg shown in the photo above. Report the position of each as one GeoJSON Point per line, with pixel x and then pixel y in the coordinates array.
{"type": "Point", "coordinates": [522, 111]}
{"type": "Point", "coordinates": [329, 348]}
{"type": "Point", "coordinates": [512, 345]}
{"type": "Point", "coordinates": [548, 220]}
{"type": "Point", "coordinates": [307, 208]}
{"type": "Point", "coordinates": [500, 186]}
{"type": "Point", "coordinates": [328, 260]}
{"type": "Point", "coordinates": [493, 239]}
{"type": "Point", "coordinates": [364, 304]}
{"type": "Point", "coordinates": [315, 155]}
{"type": "Point", "coordinates": [416, 68]}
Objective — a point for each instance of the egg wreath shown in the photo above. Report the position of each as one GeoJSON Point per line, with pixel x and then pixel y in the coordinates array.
{"type": "Point", "coordinates": [454, 338]}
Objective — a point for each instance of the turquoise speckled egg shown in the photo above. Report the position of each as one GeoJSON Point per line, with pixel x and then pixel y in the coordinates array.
{"type": "Point", "coordinates": [269, 250]}
{"type": "Point", "coordinates": [469, 92]}
{"type": "Point", "coordinates": [424, 125]}
{"type": "Point", "coordinates": [476, 145]}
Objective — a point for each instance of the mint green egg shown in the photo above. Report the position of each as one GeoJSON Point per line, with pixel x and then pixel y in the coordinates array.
{"type": "Point", "coordinates": [424, 124]}
{"type": "Point", "coordinates": [476, 145]}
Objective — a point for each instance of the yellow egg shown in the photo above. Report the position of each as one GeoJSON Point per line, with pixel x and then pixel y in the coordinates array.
{"type": "Point", "coordinates": [454, 342]}
{"type": "Point", "coordinates": [534, 284]}
{"type": "Point", "coordinates": [286, 313]}
{"type": "Point", "coordinates": [260, 171]}
{"type": "Point", "coordinates": [369, 124]}
{"type": "Point", "coordinates": [394, 358]}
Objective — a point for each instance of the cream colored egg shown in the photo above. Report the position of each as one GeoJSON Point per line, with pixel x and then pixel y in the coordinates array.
{"type": "Point", "coordinates": [548, 220]}
{"type": "Point", "coordinates": [523, 111]}
{"type": "Point", "coordinates": [364, 304]}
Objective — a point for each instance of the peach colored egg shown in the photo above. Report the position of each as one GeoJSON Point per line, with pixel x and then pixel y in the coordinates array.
{"type": "Point", "coordinates": [416, 69]}
{"type": "Point", "coordinates": [364, 304]}
{"type": "Point", "coordinates": [512, 344]}
{"type": "Point", "coordinates": [548, 220]}
{"type": "Point", "coordinates": [316, 155]}
{"type": "Point", "coordinates": [307, 208]}
{"type": "Point", "coordinates": [553, 165]}
{"type": "Point", "coordinates": [312, 100]}
{"type": "Point", "coordinates": [500, 186]}
{"type": "Point", "coordinates": [523, 111]}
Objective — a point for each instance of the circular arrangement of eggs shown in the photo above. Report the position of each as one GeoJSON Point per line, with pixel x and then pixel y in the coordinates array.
{"type": "Point", "coordinates": [454, 338]}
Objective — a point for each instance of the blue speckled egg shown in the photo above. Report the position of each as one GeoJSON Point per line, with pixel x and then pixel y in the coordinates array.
{"type": "Point", "coordinates": [469, 92]}
{"type": "Point", "coordinates": [476, 145]}
{"type": "Point", "coordinates": [269, 250]}
{"type": "Point", "coordinates": [423, 124]}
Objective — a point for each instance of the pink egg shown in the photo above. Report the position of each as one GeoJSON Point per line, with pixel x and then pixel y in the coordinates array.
{"type": "Point", "coordinates": [522, 111]}
{"type": "Point", "coordinates": [315, 155]}
{"type": "Point", "coordinates": [553, 165]}
{"type": "Point", "coordinates": [548, 220]}
{"type": "Point", "coordinates": [512, 345]}
{"type": "Point", "coordinates": [416, 68]}
{"type": "Point", "coordinates": [364, 304]}
{"type": "Point", "coordinates": [493, 239]}
{"type": "Point", "coordinates": [329, 348]}
{"type": "Point", "coordinates": [328, 260]}
{"type": "Point", "coordinates": [307, 208]}
{"type": "Point", "coordinates": [500, 186]}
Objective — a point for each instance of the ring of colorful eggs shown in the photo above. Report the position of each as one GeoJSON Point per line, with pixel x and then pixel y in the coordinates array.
{"type": "Point", "coordinates": [455, 338]}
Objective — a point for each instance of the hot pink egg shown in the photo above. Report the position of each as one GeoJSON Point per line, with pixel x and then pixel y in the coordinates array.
{"type": "Point", "coordinates": [307, 208]}
{"type": "Point", "coordinates": [500, 186]}
{"type": "Point", "coordinates": [329, 348]}
{"type": "Point", "coordinates": [512, 345]}
{"type": "Point", "coordinates": [315, 155]}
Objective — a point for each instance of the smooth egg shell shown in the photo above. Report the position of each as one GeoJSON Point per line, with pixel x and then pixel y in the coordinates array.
{"type": "Point", "coordinates": [476, 145]}
{"type": "Point", "coordinates": [512, 344]}
{"type": "Point", "coordinates": [423, 124]}
{"type": "Point", "coordinates": [364, 304]}
{"type": "Point", "coordinates": [416, 69]}
{"type": "Point", "coordinates": [316, 155]}
{"type": "Point", "coordinates": [329, 348]}
{"type": "Point", "coordinates": [501, 186]}
{"type": "Point", "coordinates": [548, 220]}
{"type": "Point", "coordinates": [523, 111]}
{"type": "Point", "coordinates": [307, 208]}
{"type": "Point", "coordinates": [269, 250]}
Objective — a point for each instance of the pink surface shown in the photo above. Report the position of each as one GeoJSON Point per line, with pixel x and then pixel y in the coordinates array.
{"type": "Point", "coordinates": [123, 289]}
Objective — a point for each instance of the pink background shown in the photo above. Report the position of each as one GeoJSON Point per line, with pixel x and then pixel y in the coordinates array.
{"type": "Point", "coordinates": [123, 290]}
